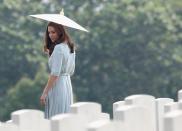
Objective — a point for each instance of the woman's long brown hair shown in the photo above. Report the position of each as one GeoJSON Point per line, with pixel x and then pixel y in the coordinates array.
{"type": "Point", "coordinates": [64, 37]}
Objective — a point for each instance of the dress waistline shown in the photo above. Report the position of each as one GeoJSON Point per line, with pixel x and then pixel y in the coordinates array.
{"type": "Point", "coordinates": [65, 74]}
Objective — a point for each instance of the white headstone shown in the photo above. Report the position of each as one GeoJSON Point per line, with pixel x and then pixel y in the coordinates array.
{"type": "Point", "coordinates": [8, 127]}
{"type": "Point", "coordinates": [172, 106]}
{"type": "Point", "coordinates": [173, 121]}
{"type": "Point", "coordinates": [30, 120]}
{"type": "Point", "coordinates": [90, 110]}
{"type": "Point", "coordinates": [148, 102]}
{"type": "Point", "coordinates": [180, 105]}
{"type": "Point", "coordinates": [116, 105]}
{"type": "Point", "coordinates": [160, 102]}
{"type": "Point", "coordinates": [68, 122]}
{"type": "Point", "coordinates": [106, 125]}
{"type": "Point", "coordinates": [9, 121]}
{"type": "Point", "coordinates": [180, 95]}
{"type": "Point", "coordinates": [134, 118]}
{"type": "Point", "coordinates": [103, 116]}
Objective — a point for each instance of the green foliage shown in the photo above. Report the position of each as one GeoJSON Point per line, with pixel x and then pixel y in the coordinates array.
{"type": "Point", "coordinates": [18, 42]}
{"type": "Point", "coordinates": [25, 94]}
{"type": "Point", "coordinates": [134, 46]}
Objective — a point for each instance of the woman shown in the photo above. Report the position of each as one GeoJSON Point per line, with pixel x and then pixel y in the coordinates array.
{"type": "Point", "coordinates": [57, 95]}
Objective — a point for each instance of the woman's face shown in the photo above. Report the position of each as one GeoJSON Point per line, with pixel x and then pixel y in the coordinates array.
{"type": "Point", "coordinates": [53, 34]}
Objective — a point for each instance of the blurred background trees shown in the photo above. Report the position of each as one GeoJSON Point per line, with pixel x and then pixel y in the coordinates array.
{"type": "Point", "coordinates": [133, 47]}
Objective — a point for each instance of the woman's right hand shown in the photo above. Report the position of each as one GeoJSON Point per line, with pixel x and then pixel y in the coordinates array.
{"type": "Point", "coordinates": [43, 99]}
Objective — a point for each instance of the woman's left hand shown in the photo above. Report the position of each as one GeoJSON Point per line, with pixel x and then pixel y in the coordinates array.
{"type": "Point", "coordinates": [43, 99]}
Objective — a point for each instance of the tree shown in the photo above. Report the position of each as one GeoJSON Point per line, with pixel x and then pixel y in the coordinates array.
{"type": "Point", "coordinates": [25, 94]}
{"type": "Point", "coordinates": [133, 48]}
{"type": "Point", "coordinates": [18, 42]}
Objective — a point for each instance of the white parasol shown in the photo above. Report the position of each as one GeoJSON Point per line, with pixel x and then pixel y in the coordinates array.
{"type": "Point", "coordinates": [60, 19]}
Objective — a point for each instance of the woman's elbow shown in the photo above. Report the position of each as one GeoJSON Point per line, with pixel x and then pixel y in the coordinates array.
{"type": "Point", "coordinates": [54, 77]}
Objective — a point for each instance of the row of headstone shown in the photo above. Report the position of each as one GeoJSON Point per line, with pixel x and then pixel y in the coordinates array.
{"type": "Point", "coordinates": [134, 113]}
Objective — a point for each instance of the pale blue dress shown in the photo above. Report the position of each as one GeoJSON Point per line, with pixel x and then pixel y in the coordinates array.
{"type": "Point", "coordinates": [60, 96]}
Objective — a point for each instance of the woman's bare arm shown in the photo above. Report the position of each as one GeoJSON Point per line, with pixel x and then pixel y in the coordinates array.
{"type": "Point", "coordinates": [51, 81]}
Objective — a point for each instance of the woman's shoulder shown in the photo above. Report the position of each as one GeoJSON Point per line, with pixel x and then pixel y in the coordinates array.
{"type": "Point", "coordinates": [59, 46]}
